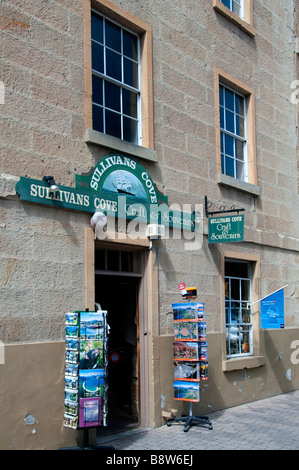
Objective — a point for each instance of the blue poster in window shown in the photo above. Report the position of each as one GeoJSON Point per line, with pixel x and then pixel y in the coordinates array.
{"type": "Point", "coordinates": [272, 310]}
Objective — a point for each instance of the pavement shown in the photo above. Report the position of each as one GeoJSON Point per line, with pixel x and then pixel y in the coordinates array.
{"type": "Point", "coordinates": [268, 424]}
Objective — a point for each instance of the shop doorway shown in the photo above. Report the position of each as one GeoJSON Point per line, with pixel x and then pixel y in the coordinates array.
{"type": "Point", "coordinates": [117, 286]}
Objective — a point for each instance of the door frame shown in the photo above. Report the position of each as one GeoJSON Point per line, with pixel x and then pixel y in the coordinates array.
{"type": "Point", "coordinates": [144, 305]}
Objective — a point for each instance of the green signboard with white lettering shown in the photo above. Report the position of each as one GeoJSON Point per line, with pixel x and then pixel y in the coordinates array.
{"type": "Point", "coordinates": [118, 186]}
{"type": "Point", "coordinates": [226, 229]}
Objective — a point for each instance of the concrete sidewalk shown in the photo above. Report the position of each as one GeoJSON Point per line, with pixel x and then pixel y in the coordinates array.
{"type": "Point", "coordinates": [269, 424]}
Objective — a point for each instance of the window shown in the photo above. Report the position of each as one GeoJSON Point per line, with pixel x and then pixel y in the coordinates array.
{"type": "Point", "coordinates": [118, 80]}
{"type": "Point", "coordinates": [238, 319]}
{"type": "Point", "coordinates": [114, 260]}
{"type": "Point", "coordinates": [232, 133]}
{"type": "Point", "coordinates": [236, 6]}
{"type": "Point", "coordinates": [239, 12]}
{"type": "Point", "coordinates": [235, 133]}
{"type": "Point", "coordinates": [115, 79]}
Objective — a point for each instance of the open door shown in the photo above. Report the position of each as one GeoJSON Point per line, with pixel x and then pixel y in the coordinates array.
{"type": "Point", "coordinates": [118, 294]}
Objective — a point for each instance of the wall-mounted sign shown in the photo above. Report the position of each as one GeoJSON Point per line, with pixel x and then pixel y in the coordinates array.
{"type": "Point", "coordinates": [118, 186]}
{"type": "Point", "coordinates": [226, 229]}
{"type": "Point", "coordinates": [116, 175]}
{"type": "Point", "coordinates": [272, 310]}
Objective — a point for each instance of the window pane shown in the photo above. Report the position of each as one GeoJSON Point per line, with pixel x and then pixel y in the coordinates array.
{"type": "Point", "coordinates": [230, 166]}
{"type": "Point", "coordinates": [129, 103]}
{"type": "Point", "coordinates": [130, 73]}
{"type": "Point", "coordinates": [221, 117]}
{"type": "Point", "coordinates": [240, 170]}
{"type": "Point", "coordinates": [100, 256]}
{"type": "Point", "coordinates": [240, 126]}
{"type": "Point", "coordinates": [239, 149]}
{"type": "Point", "coordinates": [221, 91]}
{"type": "Point", "coordinates": [229, 145]}
{"type": "Point", "coordinates": [236, 8]}
{"type": "Point", "coordinates": [97, 118]}
{"type": "Point", "coordinates": [97, 55]}
{"type": "Point", "coordinates": [113, 36]}
{"type": "Point", "coordinates": [229, 100]}
{"type": "Point", "coordinates": [239, 105]}
{"type": "Point", "coordinates": [127, 261]}
{"type": "Point", "coordinates": [130, 46]}
{"type": "Point", "coordinates": [113, 65]}
{"type": "Point", "coordinates": [113, 260]}
{"type": "Point", "coordinates": [97, 28]}
{"type": "Point", "coordinates": [113, 124]}
{"type": "Point", "coordinates": [112, 96]}
{"type": "Point", "coordinates": [229, 121]}
{"type": "Point", "coordinates": [227, 3]}
{"type": "Point", "coordinates": [97, 90]}
{"type": "Point", "coordinates": [130, 130]}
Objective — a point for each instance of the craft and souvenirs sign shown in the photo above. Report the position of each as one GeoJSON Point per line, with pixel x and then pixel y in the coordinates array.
{"type": "Point", "coordinates": [226, 229]}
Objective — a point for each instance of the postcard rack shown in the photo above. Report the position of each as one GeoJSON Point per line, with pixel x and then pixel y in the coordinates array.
{"type": "Point", "coordinates": [86, 361]}
{"type": "Point", "coordinates": [190, 355]}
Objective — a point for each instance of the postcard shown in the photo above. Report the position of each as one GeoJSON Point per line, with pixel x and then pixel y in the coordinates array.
{"type": "Point", "coordinates": [187, 371]}
{"type": "Point", "coordinates": [188, 311]}
{"type": "Point", "coordinates": [71, 356]}
{"type": "Point", "coordinates": [91, 383]}
{"type": "Point", "coordinates": [186, 351]}
{"type": "Point", "coordinates": [91, 327]}
{"type": "Point", "coordinates": [203, 351]}
{"type": "Point", "coordinates": [71, 409]}
{"type": "Point", "coordinates": [71, 344]}
{"type": "Point", "coordinates": [71, 331]}
{"type": "Point", "coordinates": [71, 382]}
{"type": "Point", "coordinates": [71, 369]}
{"type": "Point", "coordinates": [71, 396]}
{"type": "Point", "coordinates": [91, 354]}
{"type": "Point", "coordinates": [90, 412]}
{"type": "Point", "coordinates": [187, 391]}
{"type": "Point", "coordinates": [72, 318]}
{"type": "Point", "coordinates": [189, 331]}
{"type": "Point", "coordinates": [70, 421]}
{"type": "Point", "coordinates": [203, 371]}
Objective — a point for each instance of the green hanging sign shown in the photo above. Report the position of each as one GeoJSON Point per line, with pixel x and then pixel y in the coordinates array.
{"type": "Point", "coordinates": [226, 229]}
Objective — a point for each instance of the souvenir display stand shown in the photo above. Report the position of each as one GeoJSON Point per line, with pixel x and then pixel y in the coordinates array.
{"type": "Point", "coordinates": [190, 355]}
{"type": "Point", "coordinates": [86, 361]}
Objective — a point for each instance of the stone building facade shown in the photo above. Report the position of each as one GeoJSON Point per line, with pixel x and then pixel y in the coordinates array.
{"type": "Point", "coordinates": [208, 113]}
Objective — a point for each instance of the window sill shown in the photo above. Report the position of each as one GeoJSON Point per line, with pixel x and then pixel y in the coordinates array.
{"type": "Point", "coordinates": [240, 363]}
{"type": "Point", "coordinates": [247, 27]}
{"type": "Point", "coordinates": [234, 183]}
{"type": "Point", "coordinates": [97, 138]}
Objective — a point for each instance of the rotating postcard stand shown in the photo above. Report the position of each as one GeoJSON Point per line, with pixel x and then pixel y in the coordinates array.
{"type": "Point", "coordinates": [86, 361]}
{"type": "Point", "coordinates": [190, 350]}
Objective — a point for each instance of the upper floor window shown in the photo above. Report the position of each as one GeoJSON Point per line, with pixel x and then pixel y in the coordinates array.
{"type": "Point", "coordinates": [115, 79]}
{"type": "Point", "coordinates": [236, 6]}
{"type": "Point", "coordinates": [239, 12]}
{"type": "Point", "coordinates": [232, 133]}
{"type": "Point", "coordinates": [235, 133]}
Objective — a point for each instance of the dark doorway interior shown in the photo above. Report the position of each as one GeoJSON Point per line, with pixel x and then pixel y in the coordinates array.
{"type": "Point", "coordinates": [118, 295]}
